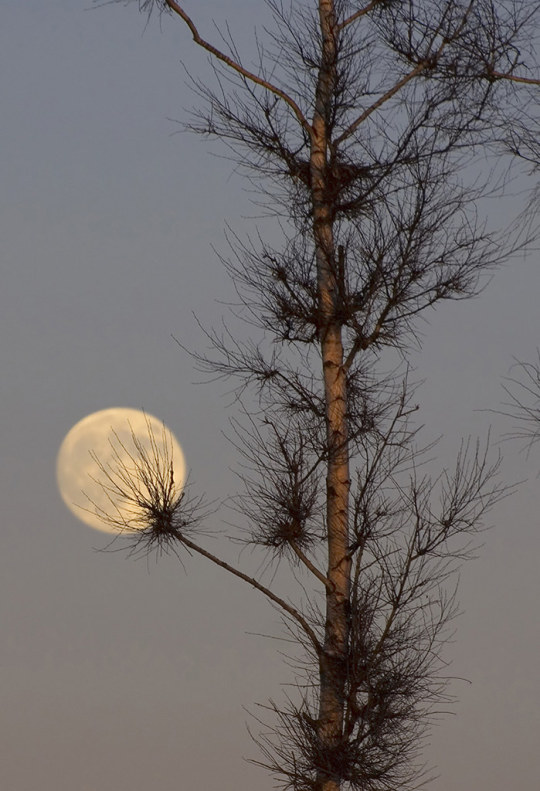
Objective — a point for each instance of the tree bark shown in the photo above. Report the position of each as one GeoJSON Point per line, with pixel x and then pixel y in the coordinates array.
{"type": "Point", "coordinates": [333, 660]}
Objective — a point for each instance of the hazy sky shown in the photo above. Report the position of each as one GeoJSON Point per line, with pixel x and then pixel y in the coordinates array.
{"type": "Point", "coordinates": [123, 676]}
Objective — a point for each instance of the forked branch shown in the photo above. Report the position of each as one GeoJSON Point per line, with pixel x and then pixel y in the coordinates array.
{"type": "Point", "coordinates": [426, 63]}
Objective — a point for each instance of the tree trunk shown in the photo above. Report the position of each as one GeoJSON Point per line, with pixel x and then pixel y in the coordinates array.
{"type": "Point", "coordinates": [333, 661]}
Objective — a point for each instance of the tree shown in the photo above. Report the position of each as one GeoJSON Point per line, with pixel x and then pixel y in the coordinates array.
{"type": "Point", "coordinates": [367, 129]}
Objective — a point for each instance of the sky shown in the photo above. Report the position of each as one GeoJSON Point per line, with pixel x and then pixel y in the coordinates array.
{"type": "Point", "coordinates": [118, 674]}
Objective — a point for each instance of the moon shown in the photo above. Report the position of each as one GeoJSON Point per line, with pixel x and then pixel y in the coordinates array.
{"type": "Point", "coordinates": [105, 440]}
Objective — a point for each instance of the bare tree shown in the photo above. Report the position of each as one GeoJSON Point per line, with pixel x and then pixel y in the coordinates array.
{"type": "Point", "coordinates": [366, 127]}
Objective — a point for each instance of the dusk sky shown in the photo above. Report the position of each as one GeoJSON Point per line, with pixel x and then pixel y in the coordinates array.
{"type": "Point", "coordinates": [124, 675]}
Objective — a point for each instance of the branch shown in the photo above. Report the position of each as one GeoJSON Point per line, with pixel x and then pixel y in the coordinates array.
{"type": "Point", "coordinates": [237, 67]}
{"type": "Point", "coordinates": [499, 75]}
{"type": "Point", "coordinates": [357, 15]}
{"type": "Point", "coordinates": [298, 617]}
{"type": "Point", "coordinates": [314, 570]}
{"type": "Point", "coordinates": [382, 100]}
{"type": "Point", "coordinates": [419, 68]}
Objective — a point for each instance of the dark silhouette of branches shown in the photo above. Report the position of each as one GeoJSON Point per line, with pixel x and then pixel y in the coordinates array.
{"type": "Point", "coordinates": [522, 389]}
{"type": "Point", "coordinates": [145, 504]}
{"type": "Point", "coordinates": [374, 132]}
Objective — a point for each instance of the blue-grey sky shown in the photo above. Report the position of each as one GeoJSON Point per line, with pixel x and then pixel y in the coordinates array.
{"type": "Point", "coordinates": [116, 674]}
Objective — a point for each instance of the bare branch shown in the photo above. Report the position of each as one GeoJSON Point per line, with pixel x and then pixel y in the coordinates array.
{"type": "Point", "coordinates": [429, 61]}
{"type": "Point", "coordinates": [281, 603]}
{"type": "Point", "coordinates": [497, 75]}
{"type": "Point", "coordinates": [236, 66]}
{"type": "Point", "coordinates": [309, 565]}
{"type": "Point", "coordinates": [523, 406]}
{"type": "Point", "coordinates": [141, 484]}
{"type": "Point", "coordinates": [357, 14]}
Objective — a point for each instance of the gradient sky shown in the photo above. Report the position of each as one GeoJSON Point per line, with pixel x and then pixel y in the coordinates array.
{"type": "Point", "coordinates": [119, 675]}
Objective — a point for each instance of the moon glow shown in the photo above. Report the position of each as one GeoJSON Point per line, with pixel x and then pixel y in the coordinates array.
{"type": "Point", "coordinates": [105, 440]}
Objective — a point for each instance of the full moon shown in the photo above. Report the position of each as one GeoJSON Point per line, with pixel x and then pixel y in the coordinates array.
{"type": "Point", "coordinates": [107, 441]}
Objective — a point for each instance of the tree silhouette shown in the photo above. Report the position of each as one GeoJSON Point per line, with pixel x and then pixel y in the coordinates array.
{"type": "Point", "coordinates": [373, 132]}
